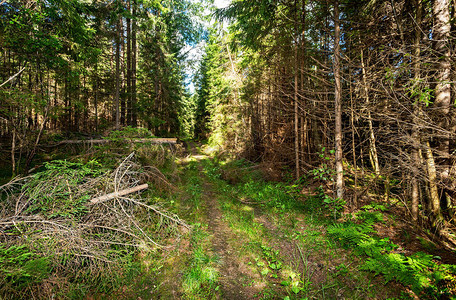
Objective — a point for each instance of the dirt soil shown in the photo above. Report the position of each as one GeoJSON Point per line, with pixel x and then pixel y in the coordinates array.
{"type": "Point", "coordinates": [234, 274]}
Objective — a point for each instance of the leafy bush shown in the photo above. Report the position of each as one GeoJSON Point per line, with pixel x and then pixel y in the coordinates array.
{"type": "Point", "coordinates": [334, 205]}
{"type": "Point", "coordinates": [324, 172]}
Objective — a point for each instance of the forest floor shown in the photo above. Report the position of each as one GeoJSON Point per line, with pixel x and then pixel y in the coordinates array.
{"type": "Point", "coordinates": [234, 234]}
{"type": "Point", "coordinates": [251, 240]}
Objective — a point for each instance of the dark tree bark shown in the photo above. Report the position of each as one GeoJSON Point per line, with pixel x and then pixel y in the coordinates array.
{"type": "Point", "coordinates": [134, 116]}
{"type": "Point", "coordinates": [129, 60]}
{"type": "Point", "coordinates": [117, 78]}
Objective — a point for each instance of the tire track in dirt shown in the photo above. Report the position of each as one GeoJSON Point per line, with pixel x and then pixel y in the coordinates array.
{"type": "Point", "coordinates": [234, 274]}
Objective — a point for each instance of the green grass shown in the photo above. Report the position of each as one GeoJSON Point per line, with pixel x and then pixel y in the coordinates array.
{"type": "Point", "coordinates": [242, 195]}
{"type": "Point", "coordinates": [300, 219]}
{"type": "Point", "coordinates": [201, 276]}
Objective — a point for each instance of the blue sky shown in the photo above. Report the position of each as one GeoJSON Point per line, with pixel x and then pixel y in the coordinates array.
{"type": "Point", "coordinates": [196, 52]}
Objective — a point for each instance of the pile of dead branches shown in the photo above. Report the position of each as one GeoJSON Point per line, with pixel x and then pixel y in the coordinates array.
{"type": "Point", "coordinates": [80, 215]}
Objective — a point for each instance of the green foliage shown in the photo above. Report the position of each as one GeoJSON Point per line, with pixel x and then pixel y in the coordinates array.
{"type": "Point", "coordinates": [212, 169]}
{"type": "Point", "coordinates": [219, 110]}
{"type": "Point", "coordinates": [420, 271]}
{"type": "Point", "coordinates": [420, 91]}
{"type": "Point", "coordinates": [20, 266]}
{"type": "Point", "coordinates": [333, 205]}
{"type": "Point", "coordinates": [370, 217]}
{"type": "Point", "coordinates": [350, 234]}
{"type": "Point", "coordinates": [336, 205]}
{"type": "Point", "coordinates": [201, 277]}
{"type": "Point", "coordinates": [193, 184]}
{"type": "Point", "coordinates": [272, 258]}
{"type": "Point", "coordinates": [254, 20]}
{"type": "Point", "coordinates": [374, 206]}
{"type": "Point", "coordinates": [324, 172]}
{"type": "Point", "coordinates": [278, 196]}
{"type": "Point", "coordinates": [55, 191]}
{"type": "Point", "coordinates": [194, 189]}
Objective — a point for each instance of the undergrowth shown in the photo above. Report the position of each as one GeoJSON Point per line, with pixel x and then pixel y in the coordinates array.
{"type": "Point", "coordinates": [201, 277]}
{"type": "Point", "coordinates": [56, 242]}
{"type": "Point", "coordinates": [423, 273]}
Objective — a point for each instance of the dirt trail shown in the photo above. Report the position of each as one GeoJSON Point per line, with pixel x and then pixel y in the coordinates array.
{"type": "Point", "coordinates": [234, 274]}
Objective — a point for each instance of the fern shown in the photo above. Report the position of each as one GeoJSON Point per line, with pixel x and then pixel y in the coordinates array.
{"type": "Point", "coordinates": [350, 234]}
{"type": "Point", "coordinates": [420, 271]}
{"type": "Point", "coordinates": [370, 217]}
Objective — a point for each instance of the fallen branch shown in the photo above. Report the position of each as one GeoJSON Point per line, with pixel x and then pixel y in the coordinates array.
{"type": "Point", "coordinates": [104, 141]}
{"type": "Point", "coordinates": [117, 194]}
{"type": "Point", "coordinates": [176, 220]}
{"type": "Point", "coordinates": [153, 141]}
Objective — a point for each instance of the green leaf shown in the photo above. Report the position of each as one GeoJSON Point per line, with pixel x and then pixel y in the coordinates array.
{"type": "Point", "coordinates": [295, 289]}
{"type": "Point", "coordinates": [265, 271]}
{"type": "Point", "coordinates": [285, 283]}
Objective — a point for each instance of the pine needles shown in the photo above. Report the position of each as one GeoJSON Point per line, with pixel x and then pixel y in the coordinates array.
{"type": "Point", "coordinates": [49, 230]}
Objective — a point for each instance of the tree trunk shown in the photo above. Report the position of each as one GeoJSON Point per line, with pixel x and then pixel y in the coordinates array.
{"type": "Point", "coordinates": [441, 32]}
{"type": "Point", "coordinates": [433, 189]}
{"type": "Point", "coordinates": [123, 106]}
{"type": "Point", "coordinates": [352, 123]}
{"type": "Point", "coordinates": [415, 131]}
{"type": "Point", "coordinates": [372, 147]}
{"type": "Point", "coordinates": [338, 105]}
{"type": "Point", "coordinates": [296, 113]}
{"type": "Point", "coordinates": [95, 99]}
{"type": "Point", "coordinates": [13, 150]}
{"type": "Point", "coordinates": [117, 87]}
{"type": "Point", "coordinates": [134, 116]}
{"type": "Point", "coordinates": [129, 106]}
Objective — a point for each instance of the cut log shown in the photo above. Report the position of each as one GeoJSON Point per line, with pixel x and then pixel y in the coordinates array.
{"type": "Point", "coordinates": [159, 141]}
{"type": "Point", "coordinates": [117, 194]}
{"type": "Point", "coordinates": [141, 140]}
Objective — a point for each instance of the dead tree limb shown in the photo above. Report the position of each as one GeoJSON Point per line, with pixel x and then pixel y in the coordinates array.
{"type": "Point", "coordinates": [15, 75]}
{"type": "Point", "coordinates": [135, 140]}
{"type": "Point", "coordinates": [117, 194]}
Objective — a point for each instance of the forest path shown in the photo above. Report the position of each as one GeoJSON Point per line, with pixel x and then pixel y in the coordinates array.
{"type": "Point", "coordinates": [252, 239]}
{"type": "Point", "coordinates": [234, 275]}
